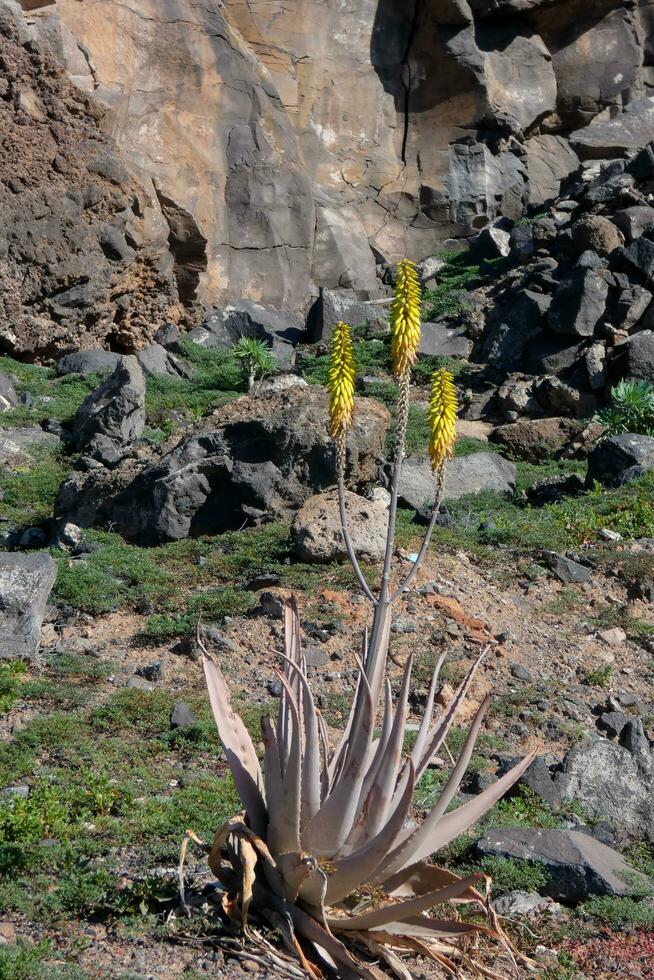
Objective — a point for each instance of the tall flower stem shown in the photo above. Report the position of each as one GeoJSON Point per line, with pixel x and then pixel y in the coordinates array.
{"type": "Point", "coordinates": [345, 524]}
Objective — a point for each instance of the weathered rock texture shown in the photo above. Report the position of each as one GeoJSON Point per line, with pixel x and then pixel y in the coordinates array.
{"type": "Point", "coordinates": [285, 137]}
{"type": "Point", "coordinates": [84, 258]}
{"type": "Point", "coordinates": [257, 458]}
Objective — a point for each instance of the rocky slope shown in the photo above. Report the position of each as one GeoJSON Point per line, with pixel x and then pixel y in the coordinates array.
{"type": "Point", "coordinates": [84, 259]}
{"type": "Point", "coordinates": [292, 144]}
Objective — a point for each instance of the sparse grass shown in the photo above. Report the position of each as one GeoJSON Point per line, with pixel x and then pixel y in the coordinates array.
{"type": "Point", "coordinates": [509, 874]}
{"type": "Point", "coordinates": [450, 297]}
{"type": "Point", "coordinates": [184, 579]}
{"type": "Point", "coordinates": [28, 493]}
{"type": "Point", "coordinates": [52, 397]}
{"type": "Point", "coordinates": [36, 962]}
{"type": "Point", "coordinates": [490, 519]}
{"type": "Point", "coordinates": [217, 376]}
{"type": "Point", "coordinates": [104, 778]}
{"type": "Point", "coordinates": [600, 677]}
{"type": "Point", "coordinates": [620, 912]}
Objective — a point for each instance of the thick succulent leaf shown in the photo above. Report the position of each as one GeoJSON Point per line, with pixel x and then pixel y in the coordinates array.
{"type": "Point", "coordinates": [239, 750]}
{"type": "Point", "coordinates": [428, 928]}
{"type": "Point", "coordinates": [377, 805]}
{"type": "Point", "coordinates": [291, 780]}
{"type": "Point", "coordinates": [284, 714]}
{"type": "Point", "coordinates": [330, 827]}
{"type": "Point", "coordinates": [433, 834]}
{"type": "Point", "coordinates": [438, 733]}
{"type": "Point", "coordinates": [282, 820]}
{"type": "Point", "coordinates": [420, 878]}
{"type": "Point", "coordinates": [348, 966]}
{"type": "Point", "coordinates": [451, 787]}
{"type": "Point", "coordinates": [339, 755]}
{"type": "Point", "coordinates": [355, 870]}
{"type": "Point", "coordinates": [310, 786]}
{"type": "Point", "coordinates": [396, 911]}
{"type": "Point", "coordinates": [379, 748]}
{"type": "Point", "coordinates": [324, 755]}
{"type": "Point", "coordinates": [421, 737]}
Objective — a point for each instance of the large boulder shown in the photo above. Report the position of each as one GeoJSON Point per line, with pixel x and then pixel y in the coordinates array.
{"type": "Point", "coordinates": [634, 358]}
{"type": "Point", "coordinates": [440, 339]}
{"type": "Point", "coordinates": [91, 361]}
{"type": "Point", "coordinates": [614, 459]}
{"type": "Point", "coordinates": [596, 233]}
{"type": "Point", "coordinates": [576, 865]}
{"type": "Point", "coordinates": [578, 303]}
{"type": "Point", "coordinates": [464, 475]}
{"type": "Point", "coordinates": [631, 129]}
{"type": "Point", "coordinates": [637, 258]}
{"type": "Point", "coordinates": [535, 439]}
{"type": "Point", "coordinates": [317, 534]}
{"type": "Point", "coordinates": [114, 412]}
{"type": "Point", "coordinates": [257, 458]}
{"type": "Point", "coordinates": [16, 445]}
{"type": "Point", "coordinates": [341, 305]}
{"type": "Point", "coordinates": [613, 782]}
{"type": "Point", "coordinates": [224, 326]}
{"type": "Point", "coordinates": [512, 328]}
{"type": "Point", "coordinates": [25, 584]}
{"type": "Point", "coordinates": [634, 221]}
{"type": "Point", "coordinates": [550, 159]}
{"type": "Point", "coordinates": [551, 354]}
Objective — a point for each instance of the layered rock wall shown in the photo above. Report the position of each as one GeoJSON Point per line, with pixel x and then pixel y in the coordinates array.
{"type": "Point", "coordinates": [295, 142]}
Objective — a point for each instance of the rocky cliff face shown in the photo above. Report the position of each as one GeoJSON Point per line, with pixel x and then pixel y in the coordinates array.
{"type": "Point", "coordinates": [84, 258]}
{"type": "Point", "coordinates": [293, 143]}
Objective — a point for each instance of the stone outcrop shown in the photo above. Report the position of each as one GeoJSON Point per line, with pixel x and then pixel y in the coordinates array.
{"type": "Point", "coordinates": [25, 584]}
{"type": "Point", "coordinates": [258, 458]}
{"type": "Point", "coordinates": [296, 145]}
{"type": "Point", "coordinates": [84, 258]}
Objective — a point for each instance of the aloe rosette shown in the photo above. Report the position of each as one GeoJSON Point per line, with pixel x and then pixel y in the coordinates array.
{"type": "Point", "coordinates": [325, 850]}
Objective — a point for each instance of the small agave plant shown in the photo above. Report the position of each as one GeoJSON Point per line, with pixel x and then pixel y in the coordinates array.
{"type": "Point", "coordinates": [325, 850]}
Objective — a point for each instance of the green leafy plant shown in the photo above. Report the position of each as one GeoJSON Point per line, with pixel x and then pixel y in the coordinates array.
{"type": "Point", "coordinates": [255, 357]}
{"type": "Point", "coordinates": [631, 409]}
{"type": "Point", "coordinates": [322, 852]}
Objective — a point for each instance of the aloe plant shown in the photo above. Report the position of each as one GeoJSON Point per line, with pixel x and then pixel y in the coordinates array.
{"type": "Point", "coordinates": [324, 850]}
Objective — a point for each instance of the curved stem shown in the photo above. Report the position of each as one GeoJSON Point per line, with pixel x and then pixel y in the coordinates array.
{"type": "Point", "coordinates": [345, 528]}
{"type": "Point", "coordinates": [400, 440]}
{"type": "Point", "coordinates": [408, 581]}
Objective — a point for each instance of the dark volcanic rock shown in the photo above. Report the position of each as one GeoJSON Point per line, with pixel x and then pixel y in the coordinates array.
{"type": "Point", "coordinates": [613, 782]}
{"type": "Point", "coordinates": [635, 221]}
{"type": "Point", "coordinates": [634, 358]}
{"type": "Point", "coordinates": [577, 865]}
{"type": "Point", "coordinates": [335, 305]}
{"type": "Point", "coordinates": [567, 570]}
{"type": "Point", "coordinates": [512, 328]}
{"type": "Point", "coordinates": [578, 303]}
{"type": "Point", "coordinates": [25, 584]}
{"type": "Point", "coordinates": [464, 474]}
{"type": "Point", "coordinates": [636, 258]}
{"type": "Point", "coordinates": [262, 458]}
{"type": "Point", "coordinates": [612, 458]}
{"type": "Point", "coordinates": [80, 263]}
{"type": "Point", "coordinates": [88, 362]}
{"type": "Point", "coordinates": [113, 413]}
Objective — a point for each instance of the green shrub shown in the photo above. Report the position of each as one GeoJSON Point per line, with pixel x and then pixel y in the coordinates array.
{"type": "Point", "coordinates": [620, 912]}
{"type": "Point", "coordinates": [631, 409]}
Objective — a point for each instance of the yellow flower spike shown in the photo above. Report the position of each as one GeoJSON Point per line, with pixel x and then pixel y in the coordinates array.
{"type": "Point", "coordinates": [405, 318]}
{"type": "Point", "coordinates": [340, 382]}
{"type": "Point", "coordinates": [442, 418]}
